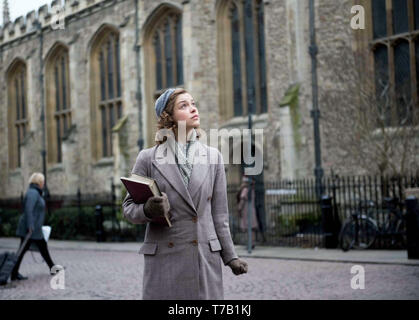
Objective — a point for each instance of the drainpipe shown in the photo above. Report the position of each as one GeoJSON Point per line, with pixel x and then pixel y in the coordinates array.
{"type": "Point", "coordinates": [315, 113]}
{"type": "Point", "coordinates": [41, 83]}
{"type": "Point", "coordinates": [137, 48]}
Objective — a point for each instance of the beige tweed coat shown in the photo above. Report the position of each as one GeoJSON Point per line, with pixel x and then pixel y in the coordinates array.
{"type": "Point", "coordinates": [184, 262]}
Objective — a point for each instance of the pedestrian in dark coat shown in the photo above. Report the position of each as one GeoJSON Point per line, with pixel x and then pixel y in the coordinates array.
{"type": "Point", "coordinates": [32, 220]}
{"type": "Point", "coordinates": [243, 207]}
{"type": "Point", "coordinates": [184, 261]}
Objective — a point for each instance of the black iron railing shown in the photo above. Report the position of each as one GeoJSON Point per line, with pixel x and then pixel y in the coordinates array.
{"type": "Point", "coordinates": [293, 215]}
{"type": "Point", "coordinates": [289, 212]}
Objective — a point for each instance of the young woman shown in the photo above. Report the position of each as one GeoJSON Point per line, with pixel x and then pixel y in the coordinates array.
{"type": "Point", "coordinates": [183, 261]}
{"type": "Point", "coordinates": [32, 220]}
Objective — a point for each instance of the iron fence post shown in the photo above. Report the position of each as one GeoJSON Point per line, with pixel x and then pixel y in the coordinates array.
{"type": "Point", "coordinates": [113, 209]}
{"type": "Point", "coordinates": [328, 223]}
{"type": "Point", "coordinates": [412, 227]}
{"type": "Point", "coordinates": [79, 206]}
{"type": "Point", "coordinates": [99, 224]}
{"type": "Point", "coordinates": [79, 200]}
{"type": "Point", "coordinates": [337, 223]}
{"type": "Point", "coordinates": [115, 235]}
{"type": "Point", "coordinates": [249, 217]}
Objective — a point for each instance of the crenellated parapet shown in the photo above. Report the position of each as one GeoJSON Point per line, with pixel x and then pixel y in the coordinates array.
{"type": "Point", "coordinates": [47, 15]}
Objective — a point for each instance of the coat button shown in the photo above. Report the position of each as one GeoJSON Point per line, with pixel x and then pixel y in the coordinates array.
{"type": "Point", "coordinates": [195, 219]}
{"type": "Point", "coordinates": [171, 245]}
{"type": "Point", "coordinates": [195, 242]}
{"type": "Point", "coordinates": [209, 198]}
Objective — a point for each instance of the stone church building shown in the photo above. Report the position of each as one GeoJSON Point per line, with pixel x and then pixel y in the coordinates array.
{"type": "Point", "coordinates": [78, 98]}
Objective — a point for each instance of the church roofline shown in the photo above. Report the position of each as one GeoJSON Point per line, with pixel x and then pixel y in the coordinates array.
{"type": "Point", "coordinates": [25, 25]}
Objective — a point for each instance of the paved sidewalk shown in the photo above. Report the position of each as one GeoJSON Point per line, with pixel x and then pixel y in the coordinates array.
{"type": "Point", "coordinates": [114, 271]}
{"type": "Point", "coordinates": [398, 257]}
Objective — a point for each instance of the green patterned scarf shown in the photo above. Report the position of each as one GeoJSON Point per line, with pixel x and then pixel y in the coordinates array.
{"type": "Point", "coordinates": [184, 155]}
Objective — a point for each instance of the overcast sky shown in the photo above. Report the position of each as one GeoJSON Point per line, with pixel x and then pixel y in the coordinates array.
{"type": "Point", "coordinates": [21, 7]}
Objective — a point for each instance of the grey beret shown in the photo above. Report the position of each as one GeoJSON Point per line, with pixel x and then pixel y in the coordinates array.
{"type": "Point", "coordinates": [162, 101]}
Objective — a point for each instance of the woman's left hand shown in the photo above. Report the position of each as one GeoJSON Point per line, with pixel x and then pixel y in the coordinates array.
{"type": "Point", "coordinates": [238, 266]}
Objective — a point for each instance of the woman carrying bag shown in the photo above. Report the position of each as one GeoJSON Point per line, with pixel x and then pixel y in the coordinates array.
{"type": "Point", "coordinates": [32, 221]}
{"type": "Point", "coordinates": [183, 261]}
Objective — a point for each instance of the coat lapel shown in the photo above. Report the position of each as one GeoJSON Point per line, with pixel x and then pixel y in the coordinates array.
{"type": "Point", "coordinates": [199, 170]}
{"type": "Point", "coordinates": [165, 162]}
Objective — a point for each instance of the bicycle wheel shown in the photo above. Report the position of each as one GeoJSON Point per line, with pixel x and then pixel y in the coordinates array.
{"type": "Point", "coordinates": [400, 237]}
{"type": "Point", "coordinates": [346, 236]}
{"type": "Point", "coordinates": [367, 232]}
{"type": "Point", "coordinates": [358, 234]}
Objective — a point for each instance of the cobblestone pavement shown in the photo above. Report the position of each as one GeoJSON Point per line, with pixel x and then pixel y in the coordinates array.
{"type": "Point", "coordinates": [117, 275]}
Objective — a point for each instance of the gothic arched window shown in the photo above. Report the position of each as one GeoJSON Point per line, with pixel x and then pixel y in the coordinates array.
{"type": "Point", "coordinates": [394, 49]}
{"type": "Point", "coordinates": [106, 90]}
{"type": "Point", "coordinates": [241, 56]}
{"type": "Point", "coordinates": [164, 58]}
{"type": "Point", "coordinates": [58, 101]}
{"type": "Point", "coordinates": [167, 44]}
{"type": "Point", "coordinates": [17, 112]}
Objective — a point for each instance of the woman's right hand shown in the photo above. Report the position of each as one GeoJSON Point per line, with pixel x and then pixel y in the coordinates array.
{"type": "Point", "coordinates": [157, 207]}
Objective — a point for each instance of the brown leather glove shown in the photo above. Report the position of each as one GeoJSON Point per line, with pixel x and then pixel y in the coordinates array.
{"type": "Point", "coordinates": [156, 207]}
{"type": "Point", "coordinates": [238, 266]}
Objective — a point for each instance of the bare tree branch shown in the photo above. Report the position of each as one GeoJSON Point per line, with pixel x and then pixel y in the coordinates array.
{"type": "Point", "coordinates": [381, 126]}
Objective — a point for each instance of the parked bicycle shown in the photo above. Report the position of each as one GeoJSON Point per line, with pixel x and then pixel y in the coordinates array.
{"type": "Point", "coordinates": [360, 230]}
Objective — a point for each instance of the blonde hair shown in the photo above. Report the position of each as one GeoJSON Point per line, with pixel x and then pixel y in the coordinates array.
{"type": "Point", "coordinates": [37, 178]}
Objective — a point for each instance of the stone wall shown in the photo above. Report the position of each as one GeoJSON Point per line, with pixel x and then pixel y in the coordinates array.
{"type": "Point", "coordinates": [77, 170]}
{"type": "Point", "coordinates": [288, 63]}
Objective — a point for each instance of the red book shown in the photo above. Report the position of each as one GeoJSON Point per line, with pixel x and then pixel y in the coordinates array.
{"type": "Point", "coordinates": [141, 188]}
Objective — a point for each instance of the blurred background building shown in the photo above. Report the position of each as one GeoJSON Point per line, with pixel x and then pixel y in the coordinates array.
{"type": "Point", "coordinates": [85, 93]}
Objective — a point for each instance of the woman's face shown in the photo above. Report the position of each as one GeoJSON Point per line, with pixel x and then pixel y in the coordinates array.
{"type": "Point", "coordinates": [185, 110]}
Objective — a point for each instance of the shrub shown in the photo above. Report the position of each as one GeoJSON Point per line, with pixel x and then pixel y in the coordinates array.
{"type": "Point", "coordinates": [9, 221]}
{"type": "Point", "coordinates": [70, 224]}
